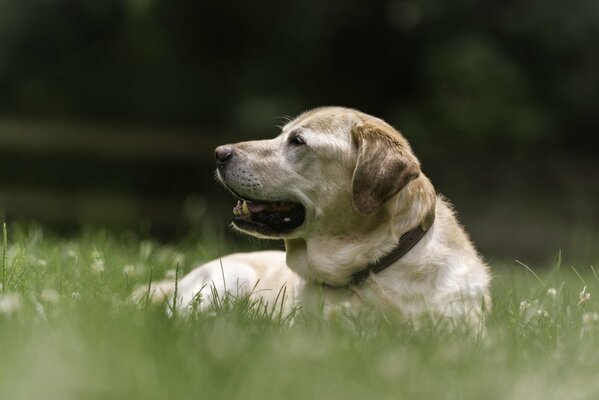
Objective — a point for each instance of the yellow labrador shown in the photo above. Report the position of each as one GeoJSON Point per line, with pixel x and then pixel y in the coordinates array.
{"type": "Point", "coordinates": [362, 225]}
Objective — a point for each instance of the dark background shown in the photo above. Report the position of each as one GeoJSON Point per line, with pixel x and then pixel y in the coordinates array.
{"type": "Point", "coordinates": [110, 110]}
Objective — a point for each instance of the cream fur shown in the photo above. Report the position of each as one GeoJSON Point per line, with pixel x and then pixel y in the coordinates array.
{"type": "Point", "coordinates": [442, 275]}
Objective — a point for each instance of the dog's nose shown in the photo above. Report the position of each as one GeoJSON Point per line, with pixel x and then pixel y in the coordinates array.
{"type": "Point", "coordinates": [222, 154]}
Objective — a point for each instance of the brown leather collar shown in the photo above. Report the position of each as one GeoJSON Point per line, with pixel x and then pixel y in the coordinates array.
{"type": "Point", "coordinates": [406, 242]}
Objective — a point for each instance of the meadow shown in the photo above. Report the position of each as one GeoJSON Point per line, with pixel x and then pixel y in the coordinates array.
{"type": "Point", "coordinates": [68, 330]}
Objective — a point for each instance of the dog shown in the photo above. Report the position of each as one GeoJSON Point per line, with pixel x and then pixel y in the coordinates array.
{"type": "Point", "coordinates": [363, 226]}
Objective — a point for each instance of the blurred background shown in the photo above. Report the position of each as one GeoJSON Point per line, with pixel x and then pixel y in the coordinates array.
{"type": "Point", "coordinates": [110, 110]}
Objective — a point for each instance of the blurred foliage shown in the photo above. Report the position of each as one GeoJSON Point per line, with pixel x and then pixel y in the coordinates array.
{"type": "Point", "coordinates": [495, 75]}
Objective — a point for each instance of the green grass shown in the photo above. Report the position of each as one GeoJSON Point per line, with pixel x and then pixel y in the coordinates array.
{"type": "Point", "coordinates": [69, 331]}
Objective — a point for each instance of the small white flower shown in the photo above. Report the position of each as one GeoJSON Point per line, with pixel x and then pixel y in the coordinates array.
{"type": "Point", "coordinates": [584, 297]}
{"type": "Point", "coordinates": [524, 306]}
{"type": "Point", "coordinates": [9, 303]}
{"type": "Point", "coordinates": [552, 292]}
{"type": "Point", "coordinates": [589, 322]}
{"type": "Point", "coordinates": [40, 310]}
{"type": "Point", "coordinates": [541, 312]}
{"type": "Point", "coordinates": [71, 253]}
{"type": "Point", "coordinates": [588, 318]}
{"type": "Point", "coordinates": [170, 274]}
{"type": "Point", "coordinates": [50, 295]}
{"type": "Point", "coordinates": [179, 259]}
{"type": "Point", "coordinates": [532, 309]}
{"type": "Point", "coordinates": [76, 296]}
{"type": "Point", "coordinates": [129, 270]}
{"type": "Point", "coordinates": [98, 265]}
{"type": "Point", "coordinates": [41, 263]}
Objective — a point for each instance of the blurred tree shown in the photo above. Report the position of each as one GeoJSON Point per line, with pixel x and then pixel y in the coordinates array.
{"type": "Point", "coordinates": [496, 73]}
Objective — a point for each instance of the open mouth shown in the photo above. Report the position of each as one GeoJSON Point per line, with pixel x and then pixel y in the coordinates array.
{"type": "Point", "coordinates": [268, 217]}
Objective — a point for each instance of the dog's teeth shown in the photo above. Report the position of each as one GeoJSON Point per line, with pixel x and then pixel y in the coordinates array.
{"type": "Point", "coordinates": [245, 210]}
{"type": "Point", "coordinates": [237, 210]}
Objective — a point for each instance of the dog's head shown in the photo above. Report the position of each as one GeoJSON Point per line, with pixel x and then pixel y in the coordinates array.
{"type": "Point", "coordinates": [330, 173]}
{"type": "Point", "coordinates": [338, 185]}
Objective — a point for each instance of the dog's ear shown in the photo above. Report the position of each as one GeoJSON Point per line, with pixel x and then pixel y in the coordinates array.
{"type": "Point", "coordinates": [385, 165]}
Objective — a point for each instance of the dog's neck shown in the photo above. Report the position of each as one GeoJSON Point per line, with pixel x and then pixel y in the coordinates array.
{"type": "Point", "coordinates": [406, 242]}
{"type": "Point", "coordinates": [336, 260]}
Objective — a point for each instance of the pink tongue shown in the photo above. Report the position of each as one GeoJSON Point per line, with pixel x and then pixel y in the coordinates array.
{"type": "Point", "coordinates": [256, 206]}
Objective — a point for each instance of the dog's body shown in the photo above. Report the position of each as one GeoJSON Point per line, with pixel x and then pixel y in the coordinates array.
{"type": "Point", "coordinates": [341, 188]}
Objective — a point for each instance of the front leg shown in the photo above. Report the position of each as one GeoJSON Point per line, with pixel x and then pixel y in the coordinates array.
{"type": "Point", "coordinates": [262, 275]}
{"type": "Point", "coordinates": [213, 281]}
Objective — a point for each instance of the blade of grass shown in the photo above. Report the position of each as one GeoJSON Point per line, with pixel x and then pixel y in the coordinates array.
{"type": "Point", "coordinates": [531, 271]}
{"type": "Point", "coordinates": [5, 243]}
{"type": "Point", "coordinates": [176, 292]}
{"type": "Point", "coordinates": [579, 277]}
{"type": "Point", "coordinates": [594, 273]}
{"type": "Point", "coordinates": [147, 296]}
{"type": "Point", "coordinates": [19, 264]}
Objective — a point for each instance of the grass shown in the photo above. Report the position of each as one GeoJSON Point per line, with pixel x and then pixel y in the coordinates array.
{"type": "Point", "coordinates": [69, 331]}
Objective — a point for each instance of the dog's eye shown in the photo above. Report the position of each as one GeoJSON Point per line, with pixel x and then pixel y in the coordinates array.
{"type": "Point", "coordinates": [295, 139]}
